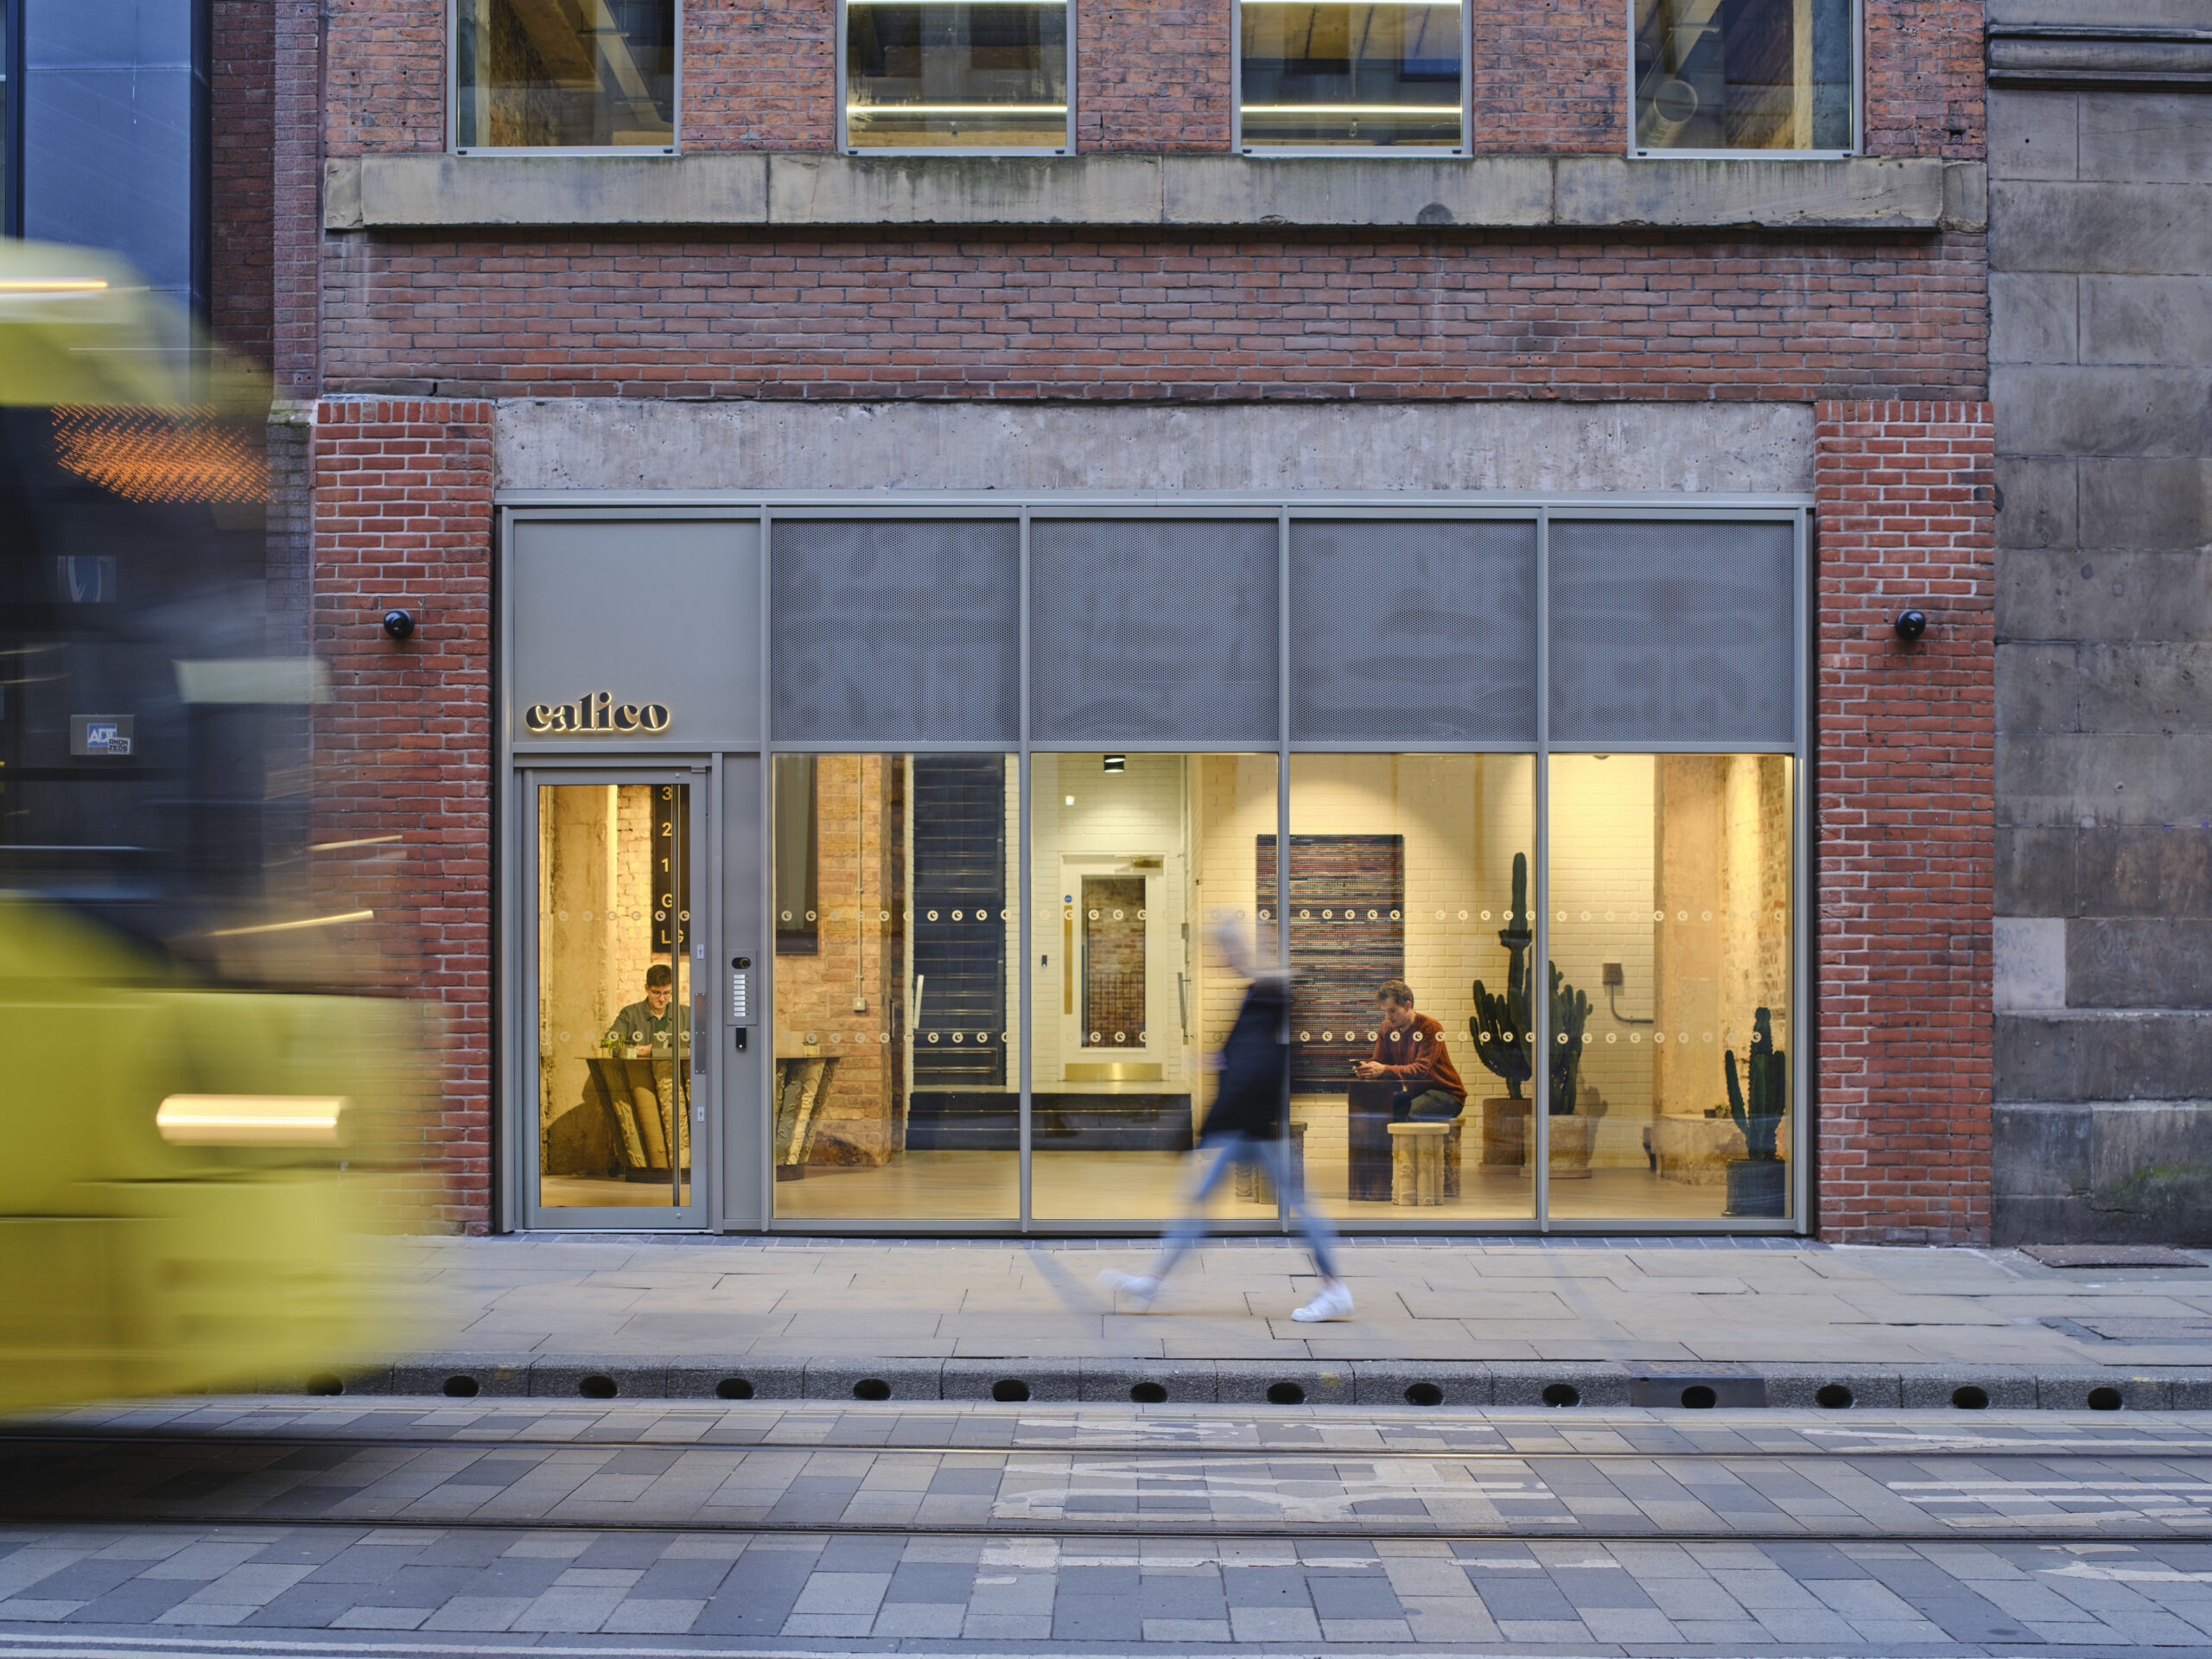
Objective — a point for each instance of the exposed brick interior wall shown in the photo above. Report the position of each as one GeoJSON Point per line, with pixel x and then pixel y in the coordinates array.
{"type": "Point", "coordinates": [1549, 75]}
{"type": "Point", "coordinates": [759, 76]}
{"type": "Point", "coordinates": [240, 202]}
{"type": "Point", "coordinates": [1158, 74]}
{"type": "Point", "coordinates": [1905, 850]}
{"type": "Point", "coordinates": [1924, 90]}
{"type": "Point", "coordinates": [1300, 314]}
{"type": "Point", "coordinates": [1154, 74]}
{"type": "Point", "coordinates": [403, 514]}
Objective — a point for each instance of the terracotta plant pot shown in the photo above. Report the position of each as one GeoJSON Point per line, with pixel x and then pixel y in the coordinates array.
{"type": "Point", "coordinates": [1572, 1139]}
{"type": "Point", "coordinates": [1505, 1135]}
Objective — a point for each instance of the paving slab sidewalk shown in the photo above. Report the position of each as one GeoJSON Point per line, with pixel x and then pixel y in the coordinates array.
{"type": "Point", "coordinates": [650, 1306]}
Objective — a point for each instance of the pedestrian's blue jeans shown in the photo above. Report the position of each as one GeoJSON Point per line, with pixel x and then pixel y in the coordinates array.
{"type": "Point", "coordinates": [1224, 1155]}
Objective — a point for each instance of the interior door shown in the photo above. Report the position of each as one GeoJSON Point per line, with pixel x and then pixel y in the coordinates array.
{"type": "Point", "coordinates": [617, 991]}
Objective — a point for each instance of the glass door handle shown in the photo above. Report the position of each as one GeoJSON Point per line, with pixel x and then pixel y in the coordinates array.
{"type": "Point", "coordinates": [699, 1023]}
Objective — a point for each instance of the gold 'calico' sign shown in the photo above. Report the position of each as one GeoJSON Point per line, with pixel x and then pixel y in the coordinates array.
{"type": "Point", "coordinates": [596, 711]}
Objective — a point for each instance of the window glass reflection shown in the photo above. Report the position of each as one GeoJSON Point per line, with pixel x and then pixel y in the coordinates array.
{"type": "Point", "coordinates": [1743, 74]}
{"type": "Point", "coordinates": [1670, 941]}
{"type": "Point", "coordinates": [1328, 73]}
{"type": "Point", "coordinates": [894, 1078]}
{"type": "Point", "coordinates": [976, 74]}
{"type": "Point", "coordinates": [543, 74]}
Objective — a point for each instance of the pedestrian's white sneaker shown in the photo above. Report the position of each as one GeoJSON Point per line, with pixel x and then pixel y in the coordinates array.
{"type": "Point", "coordinates": [1139, 1287]}
{"type": "Point", "coordinates": [1333, 1303]}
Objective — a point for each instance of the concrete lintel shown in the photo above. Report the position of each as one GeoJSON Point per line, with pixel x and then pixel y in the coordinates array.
{"type": "Point", "coordinates": [824, 190]}
{"type": "Point", "coordinates": [2140, 57]}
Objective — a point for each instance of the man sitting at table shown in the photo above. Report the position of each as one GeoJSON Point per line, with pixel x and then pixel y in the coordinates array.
{"type": "Point", "coordinates": [652, 1024]}
{"type": "Point", "coordinates": [1409, 1051]}
{"type": "Point", "coordinates": [649, 1023]}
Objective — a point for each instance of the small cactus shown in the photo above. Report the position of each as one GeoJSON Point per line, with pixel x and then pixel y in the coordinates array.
{"type": "Point", "coordinates": [1766, 1083]}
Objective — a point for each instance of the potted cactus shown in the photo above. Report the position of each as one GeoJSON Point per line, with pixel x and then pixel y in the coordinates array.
{"type": "Point", "coordinates": [1500, 1031]}
{"type": "Point", "coordinates": [1758, 1182]}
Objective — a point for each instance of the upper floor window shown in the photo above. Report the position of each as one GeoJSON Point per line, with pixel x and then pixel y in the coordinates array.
{"type": "Point", "coordinates": [1744, 74]}
{"type": "Point", "coordinates": [564, 74]}
{"type": "Point", "coordinates": [1336, 75]}
{"type": "Point", "coordinates": [956, 74]}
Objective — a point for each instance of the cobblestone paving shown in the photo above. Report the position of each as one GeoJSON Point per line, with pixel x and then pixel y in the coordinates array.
{"type": "Point", "coordinates": [1622, 1474]}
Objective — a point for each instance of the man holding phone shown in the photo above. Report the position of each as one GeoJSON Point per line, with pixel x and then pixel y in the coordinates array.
{"type": "Point", "coordinates": [1409, 1051]}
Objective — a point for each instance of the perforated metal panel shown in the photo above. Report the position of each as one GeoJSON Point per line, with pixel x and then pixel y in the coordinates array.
{"type": "Point", "coordinates": [1672, 632]}
{"type": "Point", "coordinates": [1405, 629]}
{"type": "Point", "coordinates": [887, 631]}
{"type": "Point", "coordinates": [1153, 630]}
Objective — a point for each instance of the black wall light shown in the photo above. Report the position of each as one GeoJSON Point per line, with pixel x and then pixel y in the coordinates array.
{"type": "Point", "coordinates": [1114, 762]}
{"type": "Point", "coordinates": [1911, 625]}
{"type": "Point", "coordinates": [400, 625]}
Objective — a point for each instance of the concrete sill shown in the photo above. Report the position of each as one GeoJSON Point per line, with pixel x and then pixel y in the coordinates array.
{"type": "Point", "coordinates": [815, 191]}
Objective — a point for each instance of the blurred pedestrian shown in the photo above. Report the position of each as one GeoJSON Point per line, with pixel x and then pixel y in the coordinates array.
{"type": "Point", "coordinates": [1245, 1126]}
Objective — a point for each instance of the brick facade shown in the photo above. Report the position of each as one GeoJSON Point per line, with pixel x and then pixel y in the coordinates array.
{"type": "Point", "coordinates": [403, 515]}
{"type": "Point", "coordinates": [1307, 314]}
{"type": "Point", "coordinates": [1904, 840]}
{"type": "Point", "coordinates": [1159, 74]}
{"type": "Point", "coordinates": [1154, 74]}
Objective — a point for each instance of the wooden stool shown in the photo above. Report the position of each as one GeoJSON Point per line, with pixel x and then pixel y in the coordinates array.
{"type": "Point", "coordinates": [1417, 1162]}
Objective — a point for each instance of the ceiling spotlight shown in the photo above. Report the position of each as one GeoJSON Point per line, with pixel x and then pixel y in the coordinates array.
{"type": "Point", "coordinates": [1116, 763]}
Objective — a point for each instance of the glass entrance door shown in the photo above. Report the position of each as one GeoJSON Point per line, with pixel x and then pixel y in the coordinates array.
{"type": "Point", "coordinates": [620, 1094]}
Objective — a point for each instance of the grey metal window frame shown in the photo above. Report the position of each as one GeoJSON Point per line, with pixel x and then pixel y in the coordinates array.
{"type": "Point", "coordinates": [764, 508]}
{"type": "Point", "coordinates": [846, 146]}
{"type": "Point", "coordinates": [1411, 152]}
{"type": "Point", "coordinates": [1637, 152]}
{"type": "Point", "coordinates": [455, 147]}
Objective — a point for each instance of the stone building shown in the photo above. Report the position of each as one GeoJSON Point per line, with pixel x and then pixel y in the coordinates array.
{"type": "Point", "coordinates": [2101, 311]}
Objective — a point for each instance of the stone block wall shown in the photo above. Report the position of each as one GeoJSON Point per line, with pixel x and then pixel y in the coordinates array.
{"type": "Point", "coordinates": [2101, 368]}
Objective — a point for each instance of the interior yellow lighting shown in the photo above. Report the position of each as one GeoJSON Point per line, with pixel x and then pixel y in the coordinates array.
{"type": "Point", "coordinates": [955, 109]}
{"type": "Point", "coordinates": [54, 285]}
{"type": "Point", "coordinates": [1352, 109]}
{"type": "Point", "coordinates": [251, 1120]}
{"type": "Point", "coordinates": [287, 927]}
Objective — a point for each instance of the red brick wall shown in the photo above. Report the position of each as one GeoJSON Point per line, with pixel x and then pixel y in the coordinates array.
{"type": "Point", "coordinates": [386, 69]}
{"type": "Point", "coordinates": [1546, 76]}
{"type": "Point", "coordinates": [1905, 854]}
{"type": "Point", "coordinates": [1549, 76]}
{"type": "Point", "coordinates": [1134, 315]}
{"type": "Point", "coordinates": [1154, 74]}
{"type": "Point", "coordinates": [240, 176]}
{"type": "Point", "coordinates": [760, 77]}
{"type": "Point", "coordinates": [296, 221]}
{"type": "Point", "coordinates": [403, 517]}
{"type": "Point", "coordinates": [1924, 85]}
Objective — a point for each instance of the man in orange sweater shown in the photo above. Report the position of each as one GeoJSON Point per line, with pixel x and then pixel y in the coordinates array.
{"type": "Point", "coordinates": [1409, 1049]}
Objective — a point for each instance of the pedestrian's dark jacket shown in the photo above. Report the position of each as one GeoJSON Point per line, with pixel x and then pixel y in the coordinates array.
{"type": "Point", "coordinates": [1249, 1100]}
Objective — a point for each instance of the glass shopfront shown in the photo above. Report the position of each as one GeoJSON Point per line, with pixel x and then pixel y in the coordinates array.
{"type": "Point", "coordinates": [882, 883]}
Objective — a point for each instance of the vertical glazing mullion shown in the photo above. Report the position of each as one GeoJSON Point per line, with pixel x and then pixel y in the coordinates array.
{"type": "Point", "coordinates": [1024, 931]}
{"type": "Point", "coordinates": [1801, 989]}
{"type": "Point", "coordinates": [1539, 1140]}
{"type": "Point", "coordinates": [1282, 814]}
{"type": "Point", "coordinates": [764, 947]}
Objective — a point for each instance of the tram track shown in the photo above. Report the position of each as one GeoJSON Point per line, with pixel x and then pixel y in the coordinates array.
{"type": "Point", "coordinates": [1951, 1488]}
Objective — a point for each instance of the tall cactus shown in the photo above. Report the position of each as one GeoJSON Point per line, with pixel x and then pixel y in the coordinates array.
{"type": "Point", "coordinates": [1500, 1025]}
{"type": "Point", "coordinates": [1499, 1028]}
{"type": "Point", "coordinates": [1766, 1081]}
